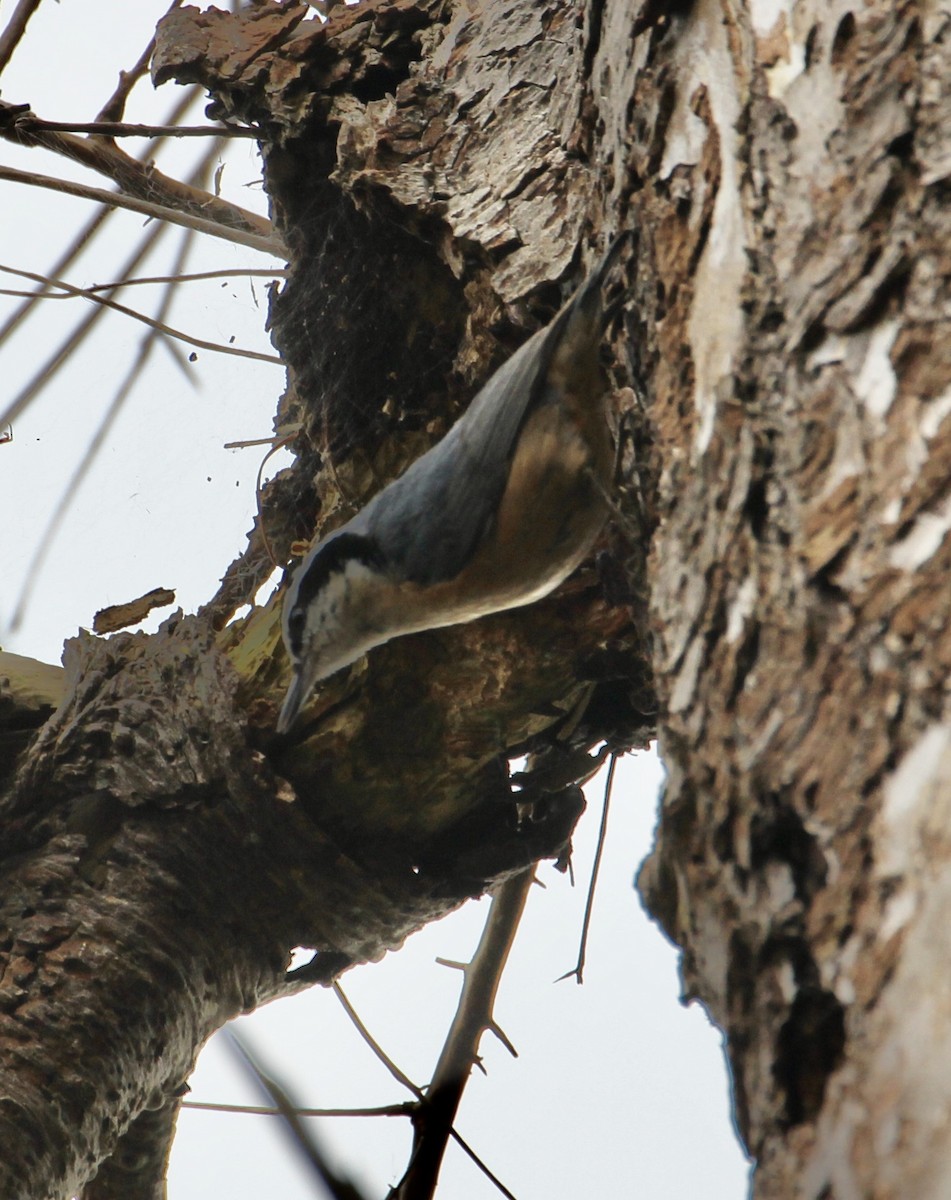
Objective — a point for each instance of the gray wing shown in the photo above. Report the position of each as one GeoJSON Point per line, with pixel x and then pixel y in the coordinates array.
{"type": "Point", "coordinates": [443, 505]}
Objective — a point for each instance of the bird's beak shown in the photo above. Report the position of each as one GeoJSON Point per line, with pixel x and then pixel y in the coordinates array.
{"type": "Point", "coordinates": [293, 702]}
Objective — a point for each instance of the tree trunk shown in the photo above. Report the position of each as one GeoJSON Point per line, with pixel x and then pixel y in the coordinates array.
{"type": "Point", "coordinates": [799, 577]}
{"type": "Point", "coordinates": [434, 169]}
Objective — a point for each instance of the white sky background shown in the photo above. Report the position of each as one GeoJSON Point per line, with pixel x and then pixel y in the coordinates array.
{"type": "Point", "coordinates": [618, 1090]}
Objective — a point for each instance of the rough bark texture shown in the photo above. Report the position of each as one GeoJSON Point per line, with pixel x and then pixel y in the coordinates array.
{"type": "Point", "coordinates": [799, 577]}
{"type": "Point", "coordinates": [434, 169]}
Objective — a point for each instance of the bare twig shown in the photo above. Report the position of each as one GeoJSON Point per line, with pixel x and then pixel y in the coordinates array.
{"type": "Point", "coordinates": [264, 240]}
{"type": "Point", "coordinates": [30, 123]}
{"type": "Point", "coordinates": [406, 1109]}
{"type": "Point", "coordinates": [259, 498]}
{"type": "Point", "coordinates": [92, 227]}
{"type": "Point", "coordinates": [192, 276]}
{"type": "Point", "coordinates": [138, 180]}
{"type": "Point", "coordinates": [24, 295]}
{"type": "Point", "coordinates": [91, 452]}
{"type": "Point", "coordinates": [275, 441]}
{"type": "Point", "coordinates": [114, 107]}
{"type": "Point", "coordinates": [417, 1092]}
{"type": "Point", "coordinates": [433, 1127]}
{"type": "Point", "coordinates": [15, 28]}
{"type": "Point", "coordinates": [159, 326]}
{"type": "Point", "coordinates": [63, 352]}
{"type": "Point", "coordinates": [374, 1045]}
{"type": "Point", "coordinates": [578, 971]}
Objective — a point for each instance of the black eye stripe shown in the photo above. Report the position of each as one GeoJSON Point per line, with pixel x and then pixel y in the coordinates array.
{"type": "Point", "coordinates": [333, 556]}
{"type": "Point", "coordinates": [295, 631]}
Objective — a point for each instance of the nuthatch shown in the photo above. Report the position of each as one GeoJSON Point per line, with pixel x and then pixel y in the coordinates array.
{"type": "Point", "coordinates": [494, 516]}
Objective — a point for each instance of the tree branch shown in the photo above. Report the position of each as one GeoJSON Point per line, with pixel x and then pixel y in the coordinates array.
{"type": "Point", "coordinates": [15, 28]}
{"type": "Point", "coordinates": [193, 205]}
{"type": "Point", "coordinates": [157, 325]}
{"type": "Point", "coordinates": [406, 1082]}
{"type": "Point", "coordinates": [474, 1015]}
{"type": "Point", "coordinates": [305, 1140]}
{"type": "Point", "coordinates": [137, 180]}
{"type": "Point", "coordinates": [29, 123]}
{"type": "Point", "coordinates": [114, 107]}
{"type": "Point", "coordinates": [578, 970]}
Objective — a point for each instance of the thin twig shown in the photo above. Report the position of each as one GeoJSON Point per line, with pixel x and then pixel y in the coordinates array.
{"type": "Point", "coordinates": [578, 971]}
{"type": "Point", "coordinates": [92, 227]}
{"type": "Point", "coordinates": [406, 1109]}
{"type": "Point", "coordinates": [477, 1161]}
{"type": "Point", "coordinates": [306, 1140]}
{"type": "Point", "coordinates": [133, 375]}
{"type": "Point", "coordinates": [404, 1079]}
{"type": "Point", "coordinates": [374, 1045]}
{"type": "Point", "coordinates": [266, 243]}
{"type": "Point", "coordinates": [138, 180]}
{"type": "Point", "coordinates": [114, 107]}
{"type": "Point", "coordinates": [159, 326]}
{"type": "Point", "coordinates": [15, 28]}
{"type": "Point", "coordinates": [63, 352]}
{"type": "Point", "coordinates": [69, 256]}
{"type": "Point", "coordinates": [276, 440]}
{"type": "Point", "coordinates": [24, 295]}
{"type": "Point", "coordinates": [259, 497]}
{"type": "Point", "coordinates": [192, 276]}
{"type": "Point", "coordinates": [30, 123]}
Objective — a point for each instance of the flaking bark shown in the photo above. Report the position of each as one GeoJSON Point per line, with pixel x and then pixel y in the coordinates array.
{"type": "Point", "coordinates": [799, 578]}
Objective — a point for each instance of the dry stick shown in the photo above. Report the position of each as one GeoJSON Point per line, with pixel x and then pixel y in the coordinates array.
{"type": "Point", "coordinates": [192, 276]}
{"type": "Point", "coordinates": [177, 355]}
{"type": "Point", "coordinates": [374, 1045]}
{"type": "Point", "coordinates": [159, 326]}
{"type": "Point", "coordinates": [267, 243]}
{"type": "Point", "coordinates": [63, 352]}
{"type": "Point", "coordinates": [405, 1080]}
{"type": "Point", "coordinates": [23, 295]}
{"type": "Point", "coordinates": [276, 442]}
{"type": "Point", "coordinates": [49, 369]}
{"type": "Point", "coordinates": [578, 971]}
{"type": "Point", "coordinates": [85, 235]}
{"type": "Point", "coordinates": [114, 107]}
{"type": "Point", "coordinates": [91, 452]}
{"type": "Point", "coordinates": [474, 1015]}
{"type": "Point", "coordinates": [31, 123]}
{"type": "Point", "coordinates": [56, 360]}
{"type": "Point", "coordinates": [406, 1109]}
{"type": "Point", "coordinates": [92, 227]}
{"type": "Point", "coordinates": [144, 182]}
{"type": "Point", "coordinates": [15, 28]}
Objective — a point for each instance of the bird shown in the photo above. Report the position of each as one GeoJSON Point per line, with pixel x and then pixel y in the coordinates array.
{"type": "Point", "coordinates": [494, 516]}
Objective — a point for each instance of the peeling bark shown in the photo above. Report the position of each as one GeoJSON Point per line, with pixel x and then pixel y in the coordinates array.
{"type": "Point", "coordinates": [799, 580]}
